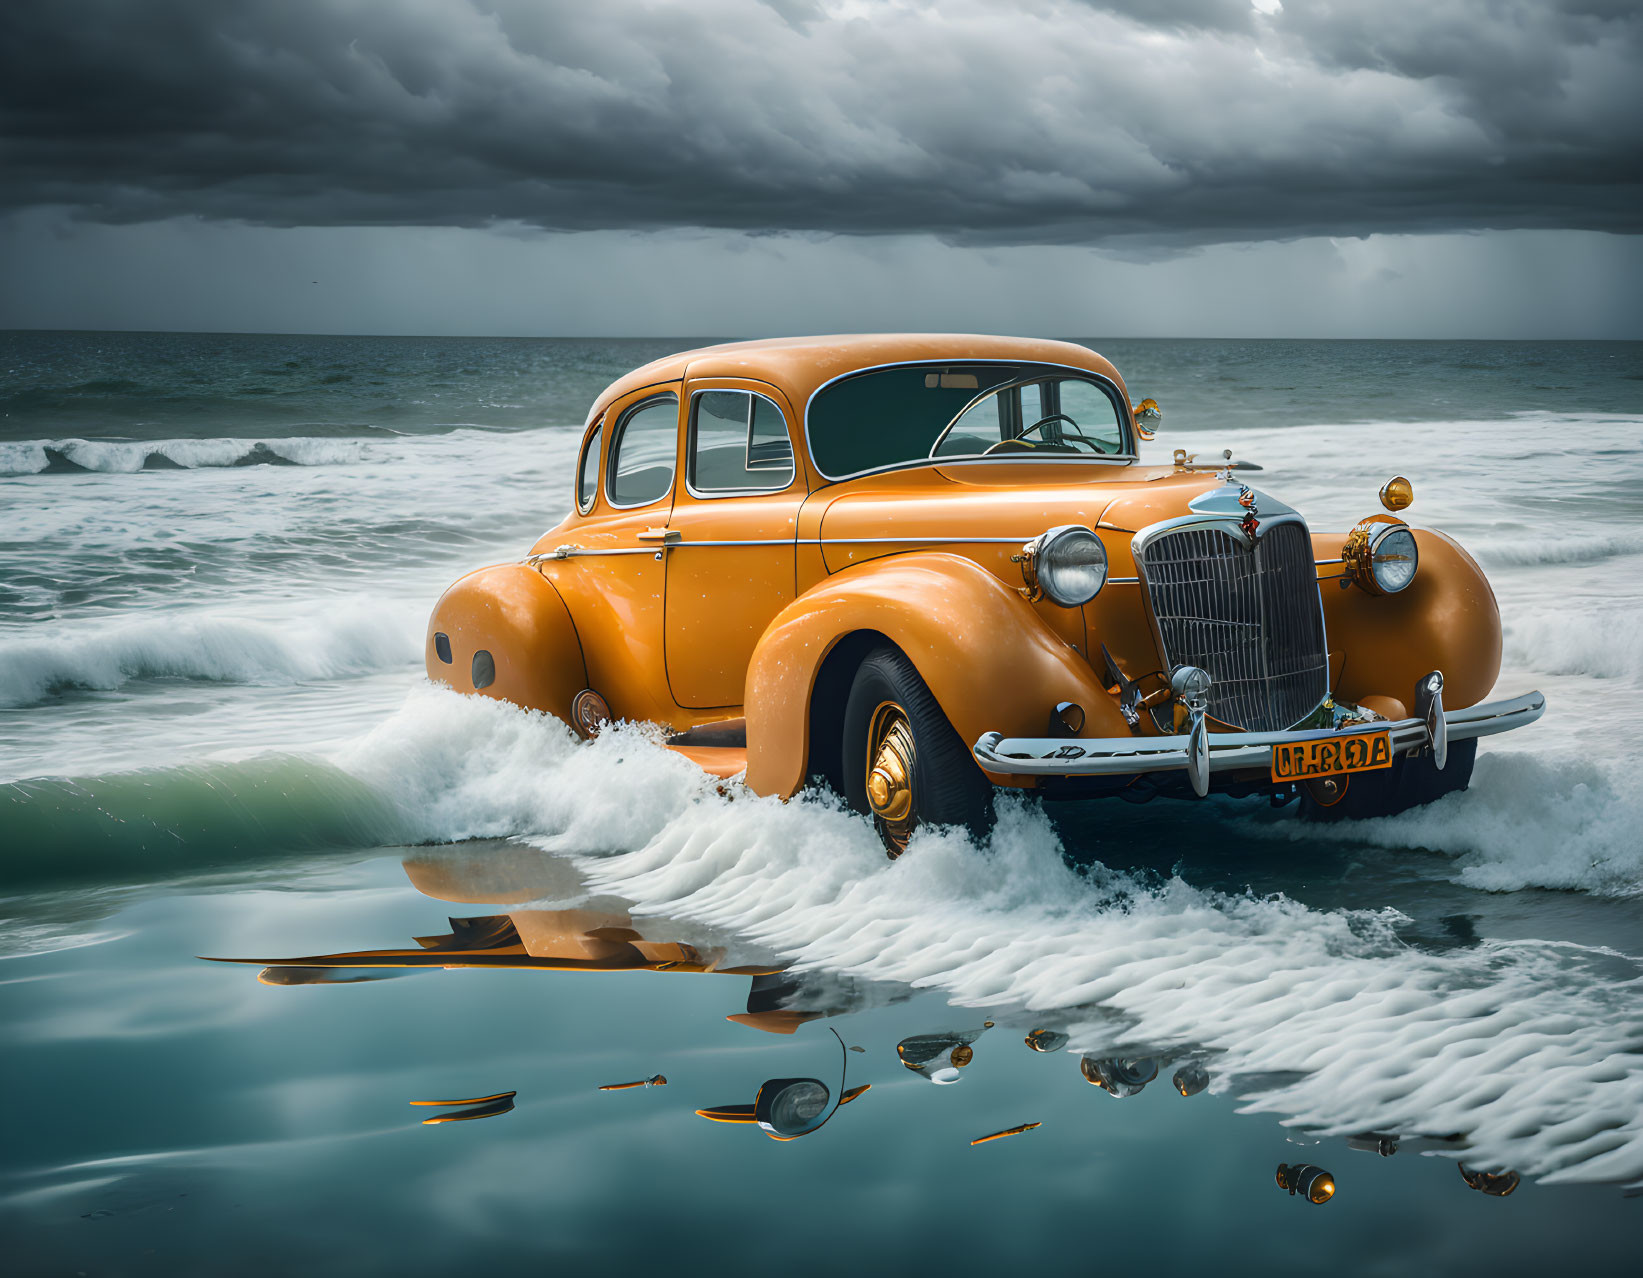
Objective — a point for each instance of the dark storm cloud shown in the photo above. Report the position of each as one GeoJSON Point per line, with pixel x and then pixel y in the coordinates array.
{"type": "Point", "coordinates": [1042, 121]}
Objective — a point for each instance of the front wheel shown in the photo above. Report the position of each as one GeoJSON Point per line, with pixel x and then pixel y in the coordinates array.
{"type": "Point", "coordinates": [903, 761]}
{"type": "Point", "coordinates": [1412, 780]}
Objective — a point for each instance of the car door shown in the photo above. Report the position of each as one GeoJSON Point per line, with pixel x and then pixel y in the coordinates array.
{"type": "Point", "coordinates": [731, 535]}
{"type": "Point", "coordinates": [615, 567]}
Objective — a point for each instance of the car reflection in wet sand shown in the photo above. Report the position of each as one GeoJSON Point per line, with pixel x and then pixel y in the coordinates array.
{"type": "Point", "coordinates": [603, 937]}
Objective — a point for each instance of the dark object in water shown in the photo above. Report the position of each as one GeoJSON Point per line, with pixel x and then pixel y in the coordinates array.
{"type": "Point", "coordinates": [1008, 1131]}
{"type": "Point", "coordinates": [1381, 1143]}
{"type": "Point", "coordinates": [786, 1108]}
{"type": "Point", "coordinates": [1312, 1183]}
{"type": "Point", "coordinates": [1191, 1079]}
{"type": "Point", "coordinates": [656, 1080]}
{"type": "Point", "coordinates": [1043, 1040]}
{"type": "Point", "coordinates": [1119, 1076]}
{"type": "Point", "coordinates": [1495, 1184]}
{"type": "Point", "coordinates": [277, 975]}
{"type": "Point", "coordinates": [924, 1053]}
{"type": "Point", "coordinates": [479, 1107]}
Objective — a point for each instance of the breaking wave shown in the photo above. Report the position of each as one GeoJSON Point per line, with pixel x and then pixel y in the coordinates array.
{"type": "Point", "coordinates": [208, 646]}
{"type": "Point", "coordinates": [118, 457]}
{"type": "Point", "coordinates": [1526, 822]}
{"type": "Point", "coordinates": [1530, 553]}
{"type": "Point", "coordinates": [1603, 642]}
{"type": "Point", "coordinates": [153, 824]}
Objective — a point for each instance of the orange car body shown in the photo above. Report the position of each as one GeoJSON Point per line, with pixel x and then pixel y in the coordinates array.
{"type": "Point", "coordinates": [702, 607]}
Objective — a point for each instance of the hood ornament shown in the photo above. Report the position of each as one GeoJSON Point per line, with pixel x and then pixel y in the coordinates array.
{"type": "Point", "coordinates": [1246, 498]}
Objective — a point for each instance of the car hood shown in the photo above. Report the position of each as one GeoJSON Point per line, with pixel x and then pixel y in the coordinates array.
{"type": "Point", "coordinates": [997, 504]}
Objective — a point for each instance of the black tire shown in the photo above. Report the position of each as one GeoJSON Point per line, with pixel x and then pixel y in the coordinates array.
{"type": "Point", "coordinates": [948, 787]}
{"type": "Point", "coordinates": [1412, 781]}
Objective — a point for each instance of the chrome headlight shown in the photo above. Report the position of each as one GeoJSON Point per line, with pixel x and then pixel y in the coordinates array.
{"type": "Point", "coordinates": [1393, 559]}
{"type": "Point", "coordinates": [1382, 555]}
{"type": "Point", "coordinates": [1069, 564]}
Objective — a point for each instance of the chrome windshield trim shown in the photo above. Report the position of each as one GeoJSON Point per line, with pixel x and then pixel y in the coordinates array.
{"type": "Point", "coordinates": [1229, 751]}
{"type": "Point", "coordinates": [1128, 457]}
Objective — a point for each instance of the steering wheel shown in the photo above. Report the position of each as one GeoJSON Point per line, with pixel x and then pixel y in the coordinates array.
{"type": "Point", "coordinates": [1022, 441]}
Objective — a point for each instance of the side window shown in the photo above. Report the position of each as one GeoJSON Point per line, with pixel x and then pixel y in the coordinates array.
{"type": "Point", "coordinates": [642, 454]}
{"type": "Point", "coordinates": [738, 443]}
{"type": "Point", "coordinates": [1032, 404]}
{"type": "Point", "coordinates": [587, 475]}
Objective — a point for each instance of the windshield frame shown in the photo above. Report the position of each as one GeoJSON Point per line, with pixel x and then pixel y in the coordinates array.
{"type": "Point", "coordinates": [1108, 387]}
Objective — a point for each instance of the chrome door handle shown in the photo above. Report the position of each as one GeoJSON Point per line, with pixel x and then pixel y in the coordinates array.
{"type": "Point", "coordinates": [667, 536]}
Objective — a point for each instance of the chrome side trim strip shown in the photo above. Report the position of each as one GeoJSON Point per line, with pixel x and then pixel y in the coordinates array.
{"type": "Point", "coordinates": [776, 541]}
{"type": "Point", "coordinates": [1228, 751]}
{"type": "Point", "coordinates": [916, 541]}
{"type": "Point", "coordinates": [572, 552]}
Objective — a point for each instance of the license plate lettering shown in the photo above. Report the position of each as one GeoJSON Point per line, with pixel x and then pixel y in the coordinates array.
{"type": "Point", "coordinates": [1361, 752]}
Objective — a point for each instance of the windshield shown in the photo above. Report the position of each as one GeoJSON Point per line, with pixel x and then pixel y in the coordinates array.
{"type": "Point", "coordinates": [892, 416]}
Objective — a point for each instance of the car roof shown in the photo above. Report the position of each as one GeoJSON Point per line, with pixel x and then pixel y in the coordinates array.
{"type": "Point", "coordinates": [797, 366]}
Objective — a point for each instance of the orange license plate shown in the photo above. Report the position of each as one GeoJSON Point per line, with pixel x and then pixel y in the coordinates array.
{"type": "Point", "coordinates": [1361, 752]}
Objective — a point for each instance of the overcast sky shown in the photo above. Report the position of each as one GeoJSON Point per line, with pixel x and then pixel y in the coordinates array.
{"type": "Point", "coordinates": [1331, 167]}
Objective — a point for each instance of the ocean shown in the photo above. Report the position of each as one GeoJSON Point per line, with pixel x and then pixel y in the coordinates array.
{"type": "Point", "coordinates": [217, 557]}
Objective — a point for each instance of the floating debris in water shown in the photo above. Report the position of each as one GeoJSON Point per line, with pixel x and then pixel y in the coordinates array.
{"type": "Point", "coordinates": [1374, 1143]}
{"type": "Point", "coordinates": [1043, 1040]}
{"type": "Point", "coordinates": [1119, 1076]}
{"type": "Point", "coordinates": [656, 1080]}
{"type": "Point", "coordinates": [1308, 1181]}
{"type": "Point", "coordinates": [1191, 1079]}
{"type": "Point", "coordinates": [479, 1107]}
{"type": "Point", "coordinates": [1008, 1131]}
{"type": "Point", "coordinates": [1495, 1184]}
{"type": "Point", "coordinates": [923, 1053]}
{"type": "Point", "coordinates": [854, 1048]}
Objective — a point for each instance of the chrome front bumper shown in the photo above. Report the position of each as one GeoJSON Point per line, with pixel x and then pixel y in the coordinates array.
{"type": "Point", "coordinates": [1228, 751]}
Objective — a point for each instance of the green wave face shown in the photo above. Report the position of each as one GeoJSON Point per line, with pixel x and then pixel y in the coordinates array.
{"type": "Point", "coordinates": [162, 822]}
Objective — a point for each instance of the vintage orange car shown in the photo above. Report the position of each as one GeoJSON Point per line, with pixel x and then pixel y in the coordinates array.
{"type": "Point", "coordinates": [918, 567]}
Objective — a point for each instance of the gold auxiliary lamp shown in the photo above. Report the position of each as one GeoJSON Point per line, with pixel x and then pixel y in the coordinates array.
{"type": "Point", "coordinates": [1380, 554]}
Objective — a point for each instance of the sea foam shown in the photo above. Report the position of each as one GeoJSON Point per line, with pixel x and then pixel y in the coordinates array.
{"type": "Point", "coordinates": [120, 457]}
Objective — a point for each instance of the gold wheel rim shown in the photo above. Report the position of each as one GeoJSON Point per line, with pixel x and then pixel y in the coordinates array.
{"type": "Point", "coordinates": [889, 781]}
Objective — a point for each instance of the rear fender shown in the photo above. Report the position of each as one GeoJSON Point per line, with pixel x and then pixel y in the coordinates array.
{"type": "Point", "coordinates": [513, 613]}
{"type": "Point", "coordinates": [990, 660]}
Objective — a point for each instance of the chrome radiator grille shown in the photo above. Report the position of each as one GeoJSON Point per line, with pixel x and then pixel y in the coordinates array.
{"type": "Point", "coordinates": [1251, 617]}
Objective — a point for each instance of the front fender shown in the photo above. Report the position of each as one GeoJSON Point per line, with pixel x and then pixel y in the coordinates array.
{"type": "Point", "coordinates": [513, 613]}
{"type": "Point", "coordinates": [985, 653]}
{"type": "Point", "coordinates": [1446, 619]}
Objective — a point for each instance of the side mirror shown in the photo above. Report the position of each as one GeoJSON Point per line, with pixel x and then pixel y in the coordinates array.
{"type": "Point", "coordinates": [1147, 417]}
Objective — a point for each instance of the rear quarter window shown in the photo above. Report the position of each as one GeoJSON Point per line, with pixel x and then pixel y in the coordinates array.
{"type": "Point", "coordinates": [644, 447]}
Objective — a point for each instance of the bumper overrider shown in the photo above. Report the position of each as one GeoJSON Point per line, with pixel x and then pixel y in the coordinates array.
{"type": "Point", "coordinates": [1199, 753]}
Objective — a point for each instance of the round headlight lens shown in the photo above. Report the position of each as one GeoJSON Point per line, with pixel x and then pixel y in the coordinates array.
{"type": "Point", "coordinates": [1071, 565]}
{"type": "Point", "coordinates": [1393, 559]}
